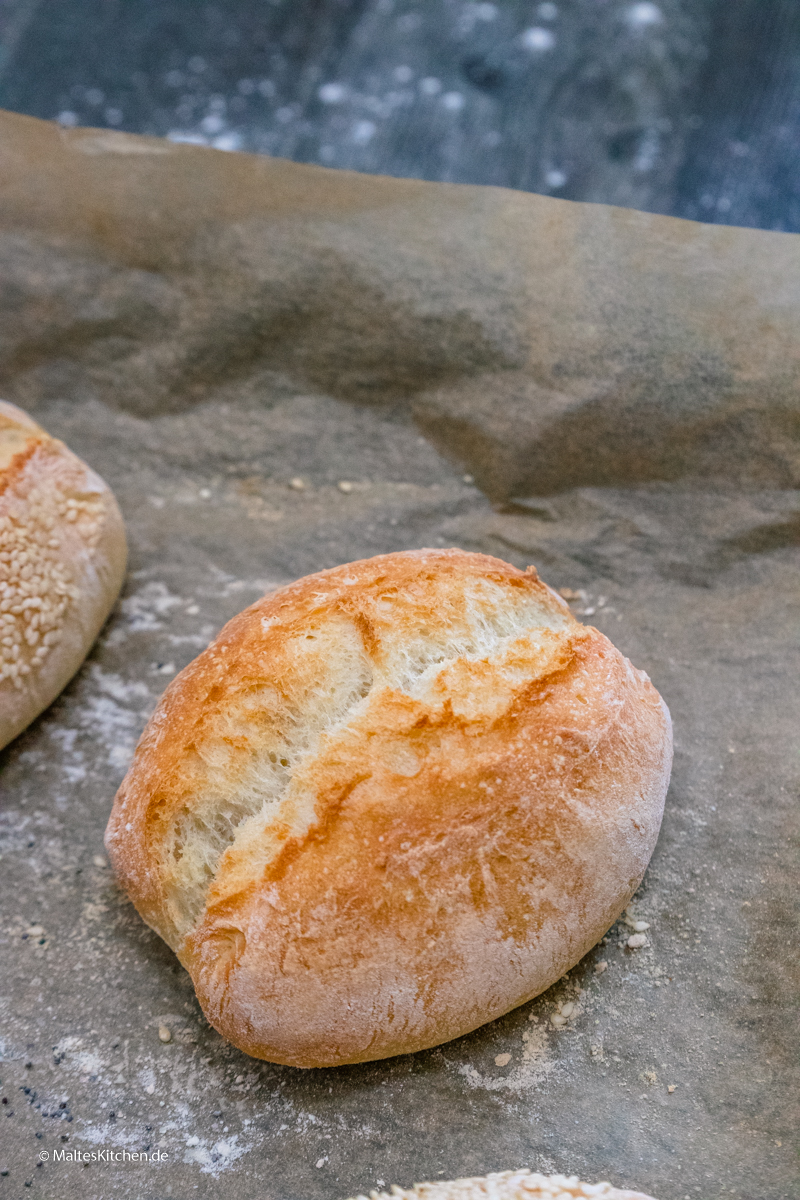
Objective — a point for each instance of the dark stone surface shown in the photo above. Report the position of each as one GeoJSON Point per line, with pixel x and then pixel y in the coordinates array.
{"type": "Point", "coordinates": [688, 107]}
{"type": "Point", "coordinates": [202, 328]}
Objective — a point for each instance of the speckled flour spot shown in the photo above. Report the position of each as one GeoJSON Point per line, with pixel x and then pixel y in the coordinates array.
{"type": "Point", "coordinates": [105, 715]}
{"type": "Point", "coordinates": [143, 611]}
{"type": "Point", "coordinates": [527, 1069]}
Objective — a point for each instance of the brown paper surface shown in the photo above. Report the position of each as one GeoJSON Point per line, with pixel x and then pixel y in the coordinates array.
{"type": "Point", "coordinates": [611, 395]}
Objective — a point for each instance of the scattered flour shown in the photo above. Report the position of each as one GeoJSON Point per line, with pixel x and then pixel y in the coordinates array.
{"type": "Point", "coordinates": [142, 612]}
{"type": "Point", "coordinates": [106, 718]}
{"type": "Point", "coordinates": [528, 1068]}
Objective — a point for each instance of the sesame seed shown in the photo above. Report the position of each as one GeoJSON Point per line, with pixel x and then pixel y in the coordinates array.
{"type": "Point", "coordinates": [37, 585]}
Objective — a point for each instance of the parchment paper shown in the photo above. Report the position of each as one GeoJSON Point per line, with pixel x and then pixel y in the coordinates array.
{"type": "Point", "coordinates": [279, 368]}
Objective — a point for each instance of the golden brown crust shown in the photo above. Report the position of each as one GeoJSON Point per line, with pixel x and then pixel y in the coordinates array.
{"type": "Point", "coordinates": [391, 802]}
{"type": "Point", "coordinates": [62, 562]}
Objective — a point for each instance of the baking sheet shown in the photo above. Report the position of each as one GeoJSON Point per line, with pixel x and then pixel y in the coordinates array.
{"type": "Point", "coordinates": [610, 395]}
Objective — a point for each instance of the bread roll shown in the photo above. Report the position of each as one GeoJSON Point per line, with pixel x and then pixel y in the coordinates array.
{"type": "Point", "coordinates": [62, 562]}
{"type": "Point", "coordinates": [389, 803]}
{"type": "Point", "coordinates": [509, 1185]}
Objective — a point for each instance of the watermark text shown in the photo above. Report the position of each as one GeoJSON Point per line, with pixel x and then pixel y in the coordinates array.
{"type": "Point", "coordinates": [102, 1155]}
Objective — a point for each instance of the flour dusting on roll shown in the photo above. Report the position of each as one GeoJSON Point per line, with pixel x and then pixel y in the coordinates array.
{"type": "Point", "coordinates": [389, 803]}
{"type": "Point", "coordinates": [62, 563]}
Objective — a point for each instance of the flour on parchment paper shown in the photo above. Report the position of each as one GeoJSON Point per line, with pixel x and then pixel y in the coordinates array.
{"type": "Point", "coordinates": [532, 1063]}
{"type": "Point", "coordinates": [113, 714]}
{"type": "Point", "coordinates": [180, 1087]}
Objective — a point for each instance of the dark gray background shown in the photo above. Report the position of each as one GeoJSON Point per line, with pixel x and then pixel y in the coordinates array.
{"type": "Point", "coordinates": [688, 107]}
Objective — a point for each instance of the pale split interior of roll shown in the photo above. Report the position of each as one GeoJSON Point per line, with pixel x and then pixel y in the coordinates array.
{"type": "Point", "coordinates": [62, 563]}
{"type": "Point", "coordinates": [509, 1185]}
